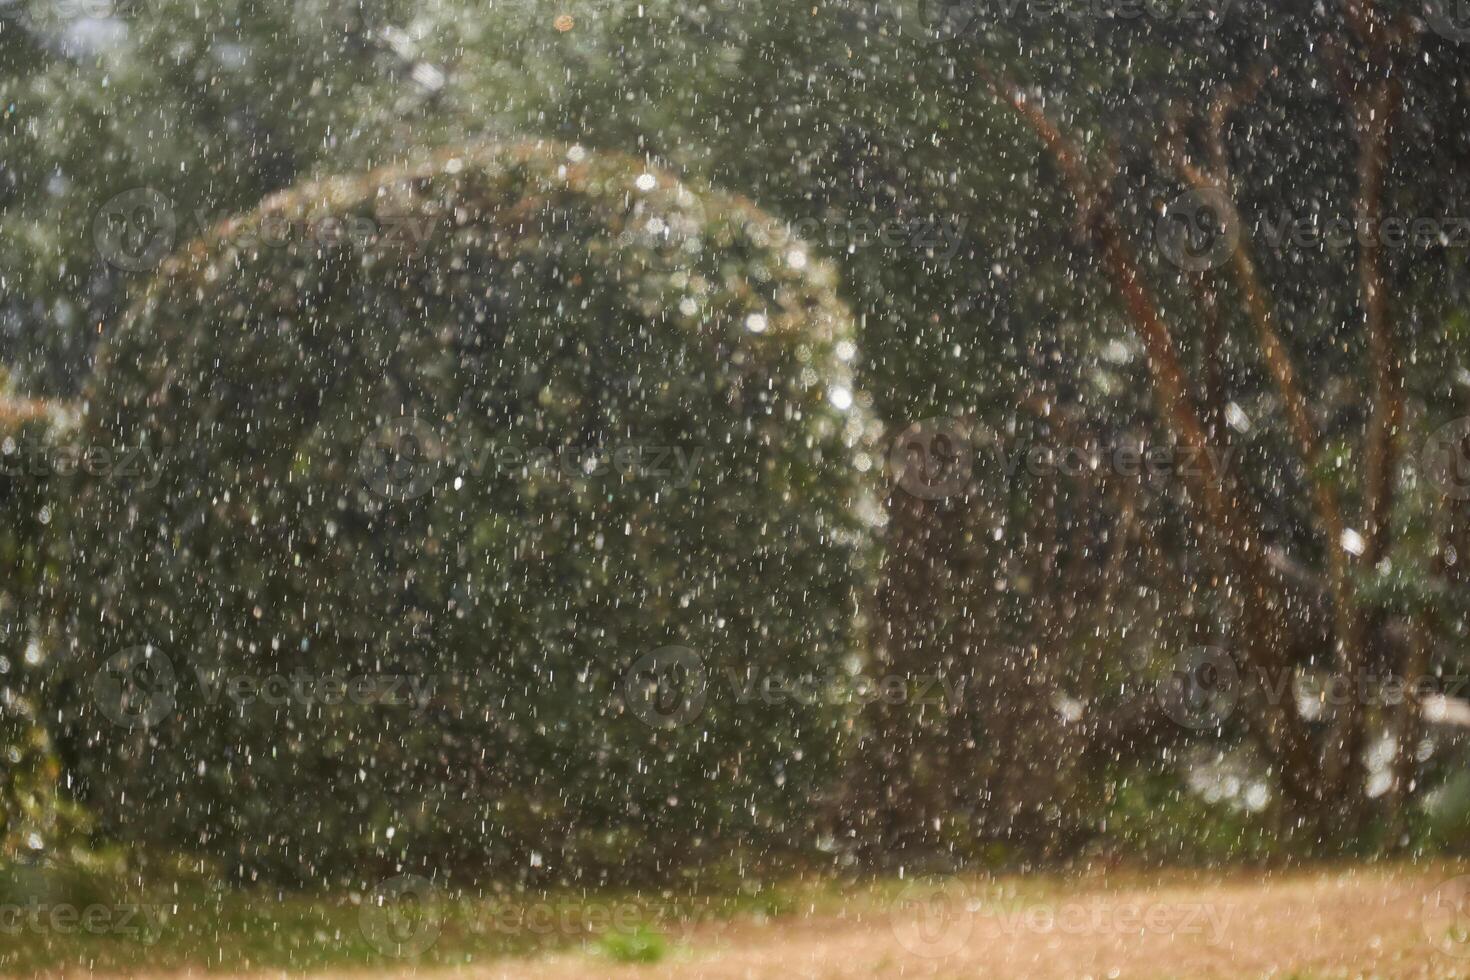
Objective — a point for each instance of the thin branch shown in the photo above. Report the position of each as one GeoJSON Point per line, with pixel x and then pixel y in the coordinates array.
{"type": "Point", "coordinates": [1214, 340]}
{"type": "Point", "coordinates": [1373, 112]}
{"type": "Point", "coordinates": [1228, 99]}
{"type": "Point", "coordinates": [1256, 296]}
{"type": "Point", "coordinates": [1171, 385]}
{"type": "Point", "coordinates": [1348, 625]}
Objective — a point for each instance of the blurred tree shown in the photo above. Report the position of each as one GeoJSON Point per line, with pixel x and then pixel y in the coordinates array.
{"type": "Point", "coordinates": [566, 447]}
{"type": "Point", "coordinates": [981, 295]}
{"type": "Point", "coordinates": [1307, 528]}
{"type": "Point", "coordinates": [37, 821]}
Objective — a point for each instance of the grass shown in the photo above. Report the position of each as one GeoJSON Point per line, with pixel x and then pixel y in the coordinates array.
{"type": "Point", "coordinates": [641, 945]}
{"type": "Point", "coordinates": [91, 925]}
{"type": "Point", "coordinates": [111, 928]}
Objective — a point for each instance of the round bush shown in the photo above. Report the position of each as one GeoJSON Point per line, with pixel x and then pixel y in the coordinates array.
{"type": "Point", "coordinates": [488, 496]}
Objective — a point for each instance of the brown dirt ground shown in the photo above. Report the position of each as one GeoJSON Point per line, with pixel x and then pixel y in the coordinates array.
{"type": "Point", "coordinates": [1306, 925]}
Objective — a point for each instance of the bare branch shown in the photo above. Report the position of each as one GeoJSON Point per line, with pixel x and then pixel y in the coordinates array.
{"type": "Point", "coordinates": [1172, 388]}
{"type": "Point", "coordinates": [1373, 112]}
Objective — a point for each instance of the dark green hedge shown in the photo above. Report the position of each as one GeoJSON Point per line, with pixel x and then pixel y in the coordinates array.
{"type": "Point", "coordinates": [500, 306]}
{"type": "Point", "coordinates": [37, 823]}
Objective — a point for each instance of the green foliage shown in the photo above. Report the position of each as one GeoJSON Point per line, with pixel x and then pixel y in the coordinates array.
{"type": "Point", "coordinates": [640, 945]}
{"type": "Point", "coordinates": [508, 302]}
{"type": "Point", "coordinates": [846, 119]}
{"type": "Point", "coordinates": [212, 105]}
{"type": "Point", "coordinates": [36, 821]}
{"type": "Point", "coordinates": [1444, 824]}
{"type": "Point", "coordinates": [1155, 817]}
